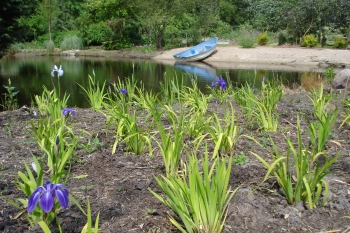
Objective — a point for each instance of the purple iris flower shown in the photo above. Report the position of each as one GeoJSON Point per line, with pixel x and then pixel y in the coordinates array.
{"type": "Point", "coordinates": [263, 79]}
{"type": "Point", "coordinates": [46, 195]}
{"type": "Point", "coordinates": [59, 71]}
{"type": "Point", "coordinates": [66, 111]}
{"type": "Point", "coordinates": [221, 82]}
{"type": "Point", "coordinates": [123, 91]}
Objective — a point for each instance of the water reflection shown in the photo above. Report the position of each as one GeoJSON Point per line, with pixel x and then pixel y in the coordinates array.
{"type": "Point", "coordinates": [201, 70]}
{"type": "Point", "coordinates": [29, 74]}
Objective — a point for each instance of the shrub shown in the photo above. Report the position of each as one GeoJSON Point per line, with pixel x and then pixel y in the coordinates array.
{"type": "Point", "coordinates": [246, 37]}
{"type": "Point", "coordinates": [14, 48]}
{"type": "Point", "coordinates": [49, 45]}
{"type": "Point", "coordinates": [339, 43]}
{"type": "Point", "coordinates": [98, 33]}
{"type": "Point", "coordinates": [263, 39]}
{"type": "Point", "coordinates": [282, 38]}
{"type": "Point", "coordinates": [309, 41]}
{"type": "Point", "coordinates": [72, 42]}
{"type": "Point", "coordinates": [329, 74]}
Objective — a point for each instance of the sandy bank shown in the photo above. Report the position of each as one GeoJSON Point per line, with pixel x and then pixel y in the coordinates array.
{"type": "Point", "coordinates": [279, 58]}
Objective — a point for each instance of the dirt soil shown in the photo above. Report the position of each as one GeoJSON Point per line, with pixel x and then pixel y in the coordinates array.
{"type": "Point", "coordinates": [117, 184]}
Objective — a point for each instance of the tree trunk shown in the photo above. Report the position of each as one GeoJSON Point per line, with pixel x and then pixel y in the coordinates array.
{"type": "Point", "coordinates": [160, 37]}
{"type": "Point", "coordinates": [347, 39]}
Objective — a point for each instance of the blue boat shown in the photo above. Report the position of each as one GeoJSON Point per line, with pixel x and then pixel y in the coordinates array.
{"type": "Point", "coordinates": [198, 52]}
{"type": "Point", "coordinates": [198, 69]}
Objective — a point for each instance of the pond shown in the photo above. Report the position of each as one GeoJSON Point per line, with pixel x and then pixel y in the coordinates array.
{"type": "Point", "coordinates": [29, 74]}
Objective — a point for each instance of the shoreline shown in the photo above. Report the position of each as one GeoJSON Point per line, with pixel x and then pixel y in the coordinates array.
{"type": "Point", "coordinates": [283, 58]}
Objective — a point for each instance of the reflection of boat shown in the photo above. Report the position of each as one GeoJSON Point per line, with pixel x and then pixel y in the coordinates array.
{"type": "Point", "coordinates": [198, 52]}
{"type": "Point", "coordinates": [199, 69]}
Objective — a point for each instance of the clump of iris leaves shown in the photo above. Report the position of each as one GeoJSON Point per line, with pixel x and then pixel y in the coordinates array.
{"type": "Point", "coordinates": [196, 185]}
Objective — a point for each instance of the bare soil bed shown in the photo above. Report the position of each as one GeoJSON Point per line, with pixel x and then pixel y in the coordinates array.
{"type": "Point", "coordinates": [117, 184]}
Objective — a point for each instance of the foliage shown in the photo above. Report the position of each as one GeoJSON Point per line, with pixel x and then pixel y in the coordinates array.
{"type": "Point", "coordinates": [200, 199]}
{"type": "Point", "coordinates": [88, 226]}
{"type": "Point", "coordinates": [331, 34]}
{"type": "Point", "coordinates": [245, 98]}
{"type": "Point", "coordinates": [57, 141]}
{"type": "Point", "coordinates": [98, 33]}
{"type": "Point", "coordinates": [220, 91]}
{"type": "Point", "coordinates": [309, 41]}
{"type": "Point", "coordinates": [329, 74]}
{"type": "Point", "coordinates": [49, 45]}
{"type": "Point", "coordinates": [119, 43]}
{"type": "Point", "coordinates": [321, 102]}
{"type": "Point", "coordinates": [261, 108]}
{"type": "Point", "coordinates": [224, 137]}
{"type": "Point", "coordinates": [263, 39]}
{"type": "Point", "coordinates": [95, 93]}
{"type": "Point", "coordinates": [135, 138]}
{"type": "Point", "coordinates": [72, 42]}
{"type": "Point", "coordinates": [321, 129]}
{"type": "Point", "coordinates": [10, 30]}
{"type": "Point", "coordinates": [91, 145]}
{"type": "Point", "coordinates": [10, 100]}
{"type": "Point", "coordinates": [14, 48]}
{"type": "Point", "coordinates": [196, 124]}
{"type": "Point", "coordinates": [193, 98]}
{"type": "Point", "coordinates": [306, 182]}
{"type": "Point", "coordinates": [246, 37]}
{"type": "Point", "coordinates": [48, 11]}
{"type": "Point", "coordinates": [339, 43]}
{"type": "Point", "coordinates": [171, 143]}
{"type": "Point", "coordinates": [165, 24]}
{"type": "Point", "coordinates": [50, 104]}
{"type": "Point", "coordinates": [346, 104]}
{"type": "Point", "coordinates": [240, 159]}
{"type": "Point", "coordinates": [170, 90]}
{"type": "Point", "coordinates": [282, 38]}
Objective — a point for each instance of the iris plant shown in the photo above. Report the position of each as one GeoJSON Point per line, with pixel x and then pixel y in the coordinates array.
{"type": "Point", "coordinates": [59, 71]}
{"type": "Point", "coordinates": [219, 82]}
{"type": "Point", "coordinates": [66, 111]}
{"type": "Point", "coordinates": [46, 195]}
{"type": "Point", "coordinates": [123, 91]}
{"type": "Point", "coordinates": [220, 95]}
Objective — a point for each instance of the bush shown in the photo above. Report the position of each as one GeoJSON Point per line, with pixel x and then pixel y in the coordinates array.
{"type": "Point", "coordinates": [282, 38]}
{"type": "Point", "coordinates": [98, 33]}
{"type": "Point", "coordinates": [14, 48]}
{"type": "Point", "coordinates": [309, 41]}
{"type": "Point", "coordinates": [59, 36]}
{"type": "Point", "coordinates": [49, 45]}
{"type": "Point", "coordinates": [263, 39]}
{"type": "Point", "coordinates": [339, 43]}
{"type": "Point", "coordinates": [72, 42]}
{"type": "Point", "coordinates": [246, 37]}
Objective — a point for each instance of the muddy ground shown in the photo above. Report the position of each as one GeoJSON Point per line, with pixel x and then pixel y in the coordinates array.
{"type": "Point", "coordinates": [117, 184]}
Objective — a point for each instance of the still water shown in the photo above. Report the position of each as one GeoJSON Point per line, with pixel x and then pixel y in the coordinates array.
{"type": "Point", "coordinates": [29, 74]}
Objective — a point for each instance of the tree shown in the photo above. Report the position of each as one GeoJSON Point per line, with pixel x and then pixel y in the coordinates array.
{"type": "Point", "coordinates": [234, 12]}
{"type": "Point", "coordinates": [155, 17]}
{"type": "Point", "coordinates": [49, 11]}
{"type": "Point", "coordinates": [10, 12]}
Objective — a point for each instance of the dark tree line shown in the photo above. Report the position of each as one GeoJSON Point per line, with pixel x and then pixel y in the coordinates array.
{"type": "Point", "coordinates": [164, 23]}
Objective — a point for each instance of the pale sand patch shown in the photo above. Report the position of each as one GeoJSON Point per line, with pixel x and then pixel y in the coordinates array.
{"type": "Point", "coordinates": [266, 57]}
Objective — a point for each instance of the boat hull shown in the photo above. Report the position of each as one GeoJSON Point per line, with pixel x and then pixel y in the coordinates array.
{"type": "Point", "coordinates": [198, 52]}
